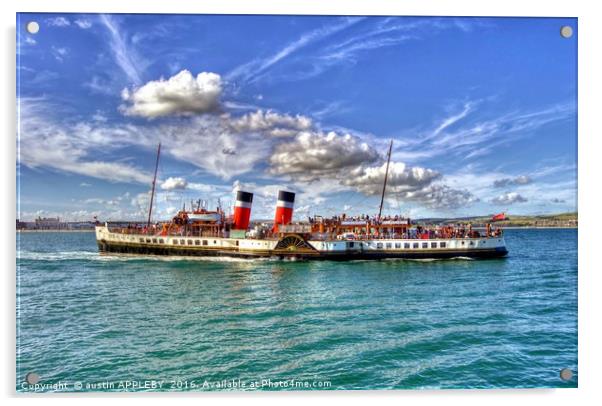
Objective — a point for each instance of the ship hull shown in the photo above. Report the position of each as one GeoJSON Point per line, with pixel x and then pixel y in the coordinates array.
{"type": "Point", "coordinates": [293, 247]}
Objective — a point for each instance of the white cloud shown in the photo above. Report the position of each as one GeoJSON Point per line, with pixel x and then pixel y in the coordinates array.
{"type": "Point", "coordinates": [100, 117]}
{"type": "Point", "coordinates": [208, 143]}
{"type": "Point", "coordinates": [58, 22]}
{"type": "Point", "coordinates": [125, 56]}
{"type": "Point", "coordinates": [59, 53]}
{"type": "Point", "coordinates": [141, 199]}
{"type": "Point", "coordinates": [269, 122]}
{"type": "Point", "coordinates": [344, 50]}
{"type": "Point", "coordinates": [314, 154]}
{"type": "Point", "coordinates": [401, 178]}
{"type": "Point", "coordinates": [522, 180]}
{"type": "Point", "coordinates": [253, 70]}
{"type": "Point", "coordinates": [409, 184]}
{"type": "Point", "coordinates": [83, 23]}
{"type": "Point", "coordinates": [46, 143]}
{"type": "Point", "coordinates": [440, 196]}
{"type": "Point", "coordinates": [174, 184]}
{"type": "Point", "coordinates": [202, 187]}
{"type": "Point", "coordinates": [100, 85]}
{"type": "Point", "coordinates": [464, 135]}
{"type": "Point", "coordinates": [505, 182]}
{"type": "Point", "coordinates": [509, 198]}
{"type": "Point", "coordinates": [182, 94]}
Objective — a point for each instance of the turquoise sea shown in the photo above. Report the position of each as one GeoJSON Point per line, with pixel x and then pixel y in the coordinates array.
{"type": "Point", "coordinates": [113, 323]}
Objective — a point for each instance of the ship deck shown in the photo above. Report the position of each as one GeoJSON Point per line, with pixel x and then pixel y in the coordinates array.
{"type": "Point", "coordinates": [295, 246]}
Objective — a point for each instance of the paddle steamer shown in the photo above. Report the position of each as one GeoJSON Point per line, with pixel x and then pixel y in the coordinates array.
{"type": "Point", "coordinates": [203, 232]}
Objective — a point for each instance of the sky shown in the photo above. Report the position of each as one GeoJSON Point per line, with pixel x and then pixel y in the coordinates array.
{"type": "Point", "coordinates": [482, 113]}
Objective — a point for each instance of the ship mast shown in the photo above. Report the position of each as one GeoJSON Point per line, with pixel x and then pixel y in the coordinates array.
{"type": "Point", "coordinates": [382, 197]}
{"type": "Point", "coordinates": [150, 209]}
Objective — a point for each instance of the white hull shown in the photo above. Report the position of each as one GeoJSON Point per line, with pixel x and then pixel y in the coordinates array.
{"type": "Point", "coordinates": [295, 246]}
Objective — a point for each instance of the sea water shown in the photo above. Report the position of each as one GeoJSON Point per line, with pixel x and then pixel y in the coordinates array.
{"type": "Point", "coordinates": [107, 322]}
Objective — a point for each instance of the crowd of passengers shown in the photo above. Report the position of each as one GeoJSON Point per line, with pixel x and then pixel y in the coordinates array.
{"type": "Point", "coordinates": [418, 232]}
{"type": "Point", "coordinates": [455, 231]}
{"type": "Point", "coordinates": [435, 232]}
{"type": "Point", "coordinates": [360, 218]}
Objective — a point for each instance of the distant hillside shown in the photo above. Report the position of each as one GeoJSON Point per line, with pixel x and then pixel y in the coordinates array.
{"type": "Point", "coordinates": [547, 220]}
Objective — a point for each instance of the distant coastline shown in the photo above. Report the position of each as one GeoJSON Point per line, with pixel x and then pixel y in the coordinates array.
{"type": "Point", "coordinates": [56, 231]}
{"type": "Point", "coordinates": [501, 226]}
{"type": "Point", "coordinates": [561, 220]}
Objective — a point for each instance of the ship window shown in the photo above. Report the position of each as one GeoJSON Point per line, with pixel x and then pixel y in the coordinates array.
{"type": "Point", "coordinates": [397, 245]}
{"type": "Point", "coordinates": [472, 243]}
{"type": "Point", "coordinates": [204, 242]}
{"type": "Point", "coordinates": [389, 245]}
{"type": "Point", "coordinates": [406, 245]}
{"type": "Point", "coordinates": [183, 242]}
{"type": "Point", "coordinates": [442, 244]}
{"type": "Point", "coordinates": [379, 245]}
{"type": "Point", "coordinates": [154, 240]}
{"type": "Point", "coordinates": [197, 242]}
{"type": "Point", "coordinates": [351, 245]}
{"type": "Point", "coordinates": [462, 242]}
{"type": "Point", "coordinates": [174, 242]}
{"type": "Point", "coordinates": [416, 245]}
{"type": "Point", "coordinates": [190, 242]}
{"type": "Point", "coordinates": [425, 245]}
{"type": "Point", "coordinates": [142, 240]}
{"type": "Point", "coordinates": [148, 240]}
{"type": "Point", "coordinates": [161, 241]}
{"type": "Point", "coordinates": [237, 243]}
{"type": "Point", "coordinates": [433, 245]}
{"type": "Point", "coordinates": [214, 242]}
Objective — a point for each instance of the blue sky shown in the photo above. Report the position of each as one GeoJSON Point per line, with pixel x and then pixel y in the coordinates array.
{"type": "Point", "coordinates": [482, 113]}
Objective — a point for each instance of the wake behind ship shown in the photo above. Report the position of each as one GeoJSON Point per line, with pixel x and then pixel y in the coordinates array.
{"type": "Point", "coordinates": [202, 232]}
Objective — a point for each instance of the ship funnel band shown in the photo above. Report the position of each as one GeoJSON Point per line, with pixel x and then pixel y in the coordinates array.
{"type": "Point", "coordinates": [244, 197]}
{"type": "Point", "coordinates": [282, 203]}
{"type": "Point", "coordinates": [286, 196]}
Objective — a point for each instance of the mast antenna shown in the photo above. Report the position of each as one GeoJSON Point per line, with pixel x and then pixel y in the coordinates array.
{"type": "Point", "coordinates": [382, 197]}
{"type": "Point", "coordinates": [150, 209]}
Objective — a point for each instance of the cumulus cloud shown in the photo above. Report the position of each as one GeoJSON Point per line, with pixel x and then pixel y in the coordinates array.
{"type": "Point", "coordinates": [522, 180]}
{"type": "Point", "coordinates": [369, 180]}
{"type": "Point", "coordinates": [174, 184]}
{"type": "Point", "coordinates": [440, 196]}
{"type": "Point", "coordinates": [314, 154]}
{"type": "Point", "coordinates": [181, 94]}
{"type": "Point", "coordinates": [409, 184]}
{"type": "Point", "coordinates": [509, 198]}
{"type": "Point", "coordinates": [271, 123]}
{"type": "Point", "coordinates": [204, 139]}
{"type": "Point", "coordinates": [505, 182]}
